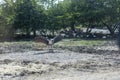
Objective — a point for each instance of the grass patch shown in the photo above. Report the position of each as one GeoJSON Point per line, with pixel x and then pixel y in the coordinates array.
{"type": "Point", "coordinates": [22, 43]}
{"type": "Point", "coordinates": [64, 42]}
{"type": "Point", "coordinates": [79, 42]}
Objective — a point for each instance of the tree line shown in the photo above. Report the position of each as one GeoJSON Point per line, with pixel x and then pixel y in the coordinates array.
{"type": "Point", "coordinates": [50, 16]}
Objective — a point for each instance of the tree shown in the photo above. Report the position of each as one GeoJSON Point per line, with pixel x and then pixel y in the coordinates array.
{"type": "Point", "coordinates": [6, 19]}
{"type": "Point", "coordinates": [112, 17]}
{"type": "Point", "coordinates": [64, 17]}
{"type": "Point", "coordinates": [29, 16]}
{"type": "Point", "coordinates": [54, 13]}
{"type": "Point", "coordinates": [86, 12]}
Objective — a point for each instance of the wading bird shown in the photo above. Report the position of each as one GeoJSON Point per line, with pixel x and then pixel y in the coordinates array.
{"type": "Point", "coordinates": [49, 42]}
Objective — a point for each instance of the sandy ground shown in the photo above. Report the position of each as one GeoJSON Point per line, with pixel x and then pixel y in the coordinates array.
{"type": "Point", "coordinates": [26, 62]}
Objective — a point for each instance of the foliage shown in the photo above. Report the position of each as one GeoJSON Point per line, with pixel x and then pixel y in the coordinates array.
{"type": "Point", "coordinates": [29, 16]}
{"type": "Point", "coordinates": [50, 16]}
{"type": "Point", "coordinates": [6, 19]}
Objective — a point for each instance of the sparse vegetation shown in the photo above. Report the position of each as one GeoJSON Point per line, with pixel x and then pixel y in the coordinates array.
{"type": "Point", "coordinates": [86, 51]}
{"type": "Point", "coordinates": [80, 42]}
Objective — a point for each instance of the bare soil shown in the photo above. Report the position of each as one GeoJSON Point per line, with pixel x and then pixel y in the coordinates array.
{"type": "Point", "coordinates": [21, 61]}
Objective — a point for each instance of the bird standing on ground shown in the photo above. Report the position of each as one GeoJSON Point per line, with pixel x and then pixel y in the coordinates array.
{"type": "Point", "coordinates": [49, 42]}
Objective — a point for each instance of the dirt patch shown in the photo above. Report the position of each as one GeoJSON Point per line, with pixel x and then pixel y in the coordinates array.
{"type": "Point", "coordinates": [19, 62]}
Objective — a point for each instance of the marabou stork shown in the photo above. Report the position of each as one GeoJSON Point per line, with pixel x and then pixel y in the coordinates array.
{"type": "Point", "coordinates": [49, 42]}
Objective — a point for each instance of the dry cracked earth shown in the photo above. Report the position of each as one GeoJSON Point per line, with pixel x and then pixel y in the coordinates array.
{"type": "Point", "coordinates": [30, 61]}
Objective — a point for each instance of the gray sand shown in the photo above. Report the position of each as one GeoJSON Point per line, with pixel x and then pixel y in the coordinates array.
{"type": "Point", "coordinates": [31, 64]}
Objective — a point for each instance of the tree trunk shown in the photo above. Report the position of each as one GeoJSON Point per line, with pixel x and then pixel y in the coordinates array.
{"type": "Point", "coordinates": [116, 26]}
{"type": "Point", "coordinates": [53, 32]}
{"type": "Point", "coordinates": [73, 26]}
{"type": "Point", "coordinates": [88, 30]}
{"type": "Point", "coordinates": [118, 37]}
{"type": "Point", "coordinates": [112, 31]}
{"type": "Point", "coordinates": [27, 33]}
{"type": "Point", "coordinates": [10, 34]}
{"type": "Point", "coordinates": [34, 33]}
